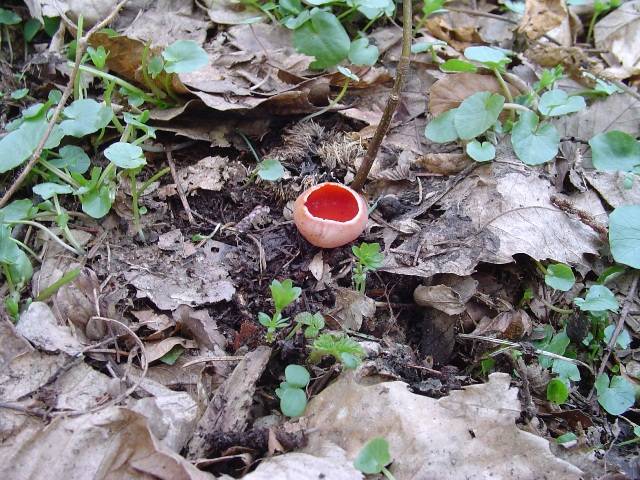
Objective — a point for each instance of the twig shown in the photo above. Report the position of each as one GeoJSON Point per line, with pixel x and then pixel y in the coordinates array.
{"type": "Point", "coordinates": [583, 216]}
{"type": "Point", "coordinates": [179, 189]}
{"type": "Point", "coordinates": [631, 293]}
{"type": "Point", "coordinates": [80, 50]}
{"type": "Point", "coordinates": [392, 101]}
{"type": "Point", "coordinates": [469, 336]}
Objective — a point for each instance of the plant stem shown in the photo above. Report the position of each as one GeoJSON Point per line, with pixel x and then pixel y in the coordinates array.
{"type": "Point", "coordinates": [592, 24]}
{"type": "Point", "coordinates": [392, 101]}
{"type": "Point", "coordinates": [65, 228]}
{"type": "Point", "coordinates": [516, 106]}
{"type": "Point", "coordinates": [564, 311]}
{"type": "Point", "coordinates": [346, 13]}
{"type": "Point", "coordinates": [59, 173]}
{"type": "Point", "coordinates": [332, 104]}
{"type": "Point", "coordinates": [68, 277]}
{"type": "Point", "coordinates": [53, 236]}
{"type": "Point", "coordinates": [120, 82]}
{"type": "Point", "coordinates": [133, 185]}
{"type": "Point", "coordinates": [152, 179]}
{"type": "Point", "coordinates": [25, 247]}
{"type": "Point", "coordinates": [388, 474]}
{"type": "Point", "coordinates": [503, 85]}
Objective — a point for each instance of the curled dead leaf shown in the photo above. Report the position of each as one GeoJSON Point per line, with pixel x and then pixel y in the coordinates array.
{"type": "Point", "coordinates": [541, 16]}
{"type": "Point", "coordinates": [512, 325]}
{"type": "Point", "coordinates": [76, 302]}
{"type": "Point", "coordinates": [450, 91]}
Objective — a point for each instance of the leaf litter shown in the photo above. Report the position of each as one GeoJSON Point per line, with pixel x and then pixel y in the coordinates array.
{"type": "Point", "coordinates": [152, 342]}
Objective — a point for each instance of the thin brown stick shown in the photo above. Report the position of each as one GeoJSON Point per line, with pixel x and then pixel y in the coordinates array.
{"type": "Point", "coordinates": [392, 101]}
{"type": "Point", "coordinates": [80, 49]}
{"type": "Point", "coordinates": [585, 217]}
{"type": "Point", "coordinates": [179, 189]}
{"type": "Point", "coordinates": [631, 293]}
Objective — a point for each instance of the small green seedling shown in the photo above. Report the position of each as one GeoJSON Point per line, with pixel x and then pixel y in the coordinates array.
{"type": "Point", "coordinates": [283, 294]}
{"type": "Point", "coordinates": [313, 323]}
{"type": "Point", "coordinates": [558, 276]}
{"type": "Point", "coordinates": [617, 396]}
{"type": "Point", "coordinates": [368, 259]}
{"type": "Point", "coordinates": [342, 348]}
{"type": "Point", "coordinates": [293, 398]}
{"type": "Point", "coordinates": [374, 458]}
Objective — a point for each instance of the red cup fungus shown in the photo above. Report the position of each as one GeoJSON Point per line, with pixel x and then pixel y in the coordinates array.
{"type": "Point", "coordinates": [330, 215]}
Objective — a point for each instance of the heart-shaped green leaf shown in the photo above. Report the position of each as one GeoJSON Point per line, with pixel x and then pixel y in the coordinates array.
{"type": "Point", "coordinates": [481, 152]}
{"type": "Point", "coordinates": [615, 397]}
{"type": "Point", "coordinates": [566, 370]}
{"type": "Point", "coordinates": [270, 169]}
{"type": "Point", "coordinates": [560, 277]}
{"type": "Point", "coordinates": [624, 235]}
{"type": "Point", "coordinates": [488, 56]}
{"type": "Point", "coordinates": [615, 150]}
{"type": "Point", "coordinates": [441, 129]}
{"type": "Point", "coordinates": [361, 53]}
{"type": "Point", "coordinates": [125, 155]}
{"type": "Point", "coordinates": [557, 391]}
{"type": "Point", "coordinates": [598, 299]}
{"type": "Point", "coordinates": [477, 113]}
{"type": "Point", "coordinates": [324, 38]}
{"type": "Point", "coordinates": [72, 158]}
{"type": "Point", "coordinates": [456, 65]}
{"type": "Point", "coordinates": [556, 102]}
{"type": "Point", "coordinates": [184, 56]}
{"type": "Point", "coordinates": [17, 146]}
{"type": "Point", "coordinates": [49, 189]}
{"type": "Point", "coordinates": [373, 457]}
{"type": "Point", "coordinates": [534, 143]}
{"type": "Point", "coordinates": [84, 117]}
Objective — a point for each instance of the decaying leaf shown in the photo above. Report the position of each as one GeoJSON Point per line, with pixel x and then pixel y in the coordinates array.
{"type": "Point", "coordinates": [616, 112]}
{"type": "Point", "coordinates": [619, 34]}
{"type": "Point", "coordinates": [206, 281]}
{"type": "Point", "coordinates": [351, 307]}
{"type": "Point", "coordinates": [448, 299]}
{"type": "Point", "coordinates": [509, 325]}
{"type": "Point", "coordinates": [38, 324]}
{"type": "Point", "coordinates": [113, 443]}
{"type": "Point", "coordinates": [541, 16]}
{"type": "Point", "coordinates": [76, 302]}
{"type": "Point", "coordinates": [440, 444]}
{"type": "Point", "coordinates": [450, 91]}
{"type": "Point", "coordinates": [491, 215]}
{"type": "Point", "coordinates": [611, 187]}
{"type": "Point", "coordinates": [156, 350]}
{"type": "Point", "coordinates": [203, 328]}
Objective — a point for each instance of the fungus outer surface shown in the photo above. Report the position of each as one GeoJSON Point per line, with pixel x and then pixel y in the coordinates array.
{"type": "Point", "coordinates": [332, 202]}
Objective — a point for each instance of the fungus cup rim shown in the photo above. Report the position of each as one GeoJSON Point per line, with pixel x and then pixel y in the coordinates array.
{"type": "Point", "coordinates": [356, 196]}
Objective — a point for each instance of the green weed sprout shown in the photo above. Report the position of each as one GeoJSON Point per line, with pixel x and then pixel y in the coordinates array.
{"type": "Point", "coordinates": [314, 322]}
{"type": "Point", "coordinates": [293, 398]}
{"type": "Point", "coordinates": [368, 259]}
{"type": "Point", "coordinates": [283, 294]}
{"type": "Point", "coordinates": [342, 348]}
{"type": "Point", "coordinates": [374, 458]}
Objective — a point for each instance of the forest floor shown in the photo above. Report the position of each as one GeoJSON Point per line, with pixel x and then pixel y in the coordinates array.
{"type": "Point", "coordinates": [162, 316]}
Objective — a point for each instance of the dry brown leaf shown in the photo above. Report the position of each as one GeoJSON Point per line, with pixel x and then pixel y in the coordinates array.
{"type": "Point", "coordinates": [448, 299]}
{"type": "Point", "coordinates": [92, 11]}
{"type": "Point", "coordinates": [616, 112]}
{"type": "Point", "coordinates": [156, 350]}
{"type": "Point", "coordinates": [38, 324]}
{"type": "Point", "coordinates": [541, 16]}
{"type": "Point", "coordinates": [611, 187]}
{"type": "Point", "coordinates": [351, 307]}
{"type": "Point", "coordinates": [169, 283]}
{"type": "Point", "coordinates": [509, 325]}
{"type": "Point", "coordinates": [158, 323]}
{"type": "Point", "coordinates": [498, 211]}
{"type": "Point", "coordinates": [444, 163]}
{"type": "Point", "coordinates": [203, 328]}
{"type": "Point", "coordinates": [76, 302]}
{"type": "Point", "coordinates": [450, 91]}
{"type": "Point", "coordinates": [431, 438]}
{"type": "Point", "coordinates": [232, 12]}
{"type": "Point", "coordinates": [114, 443]}
{"type": "Point", "coordinates": [619, 34]}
